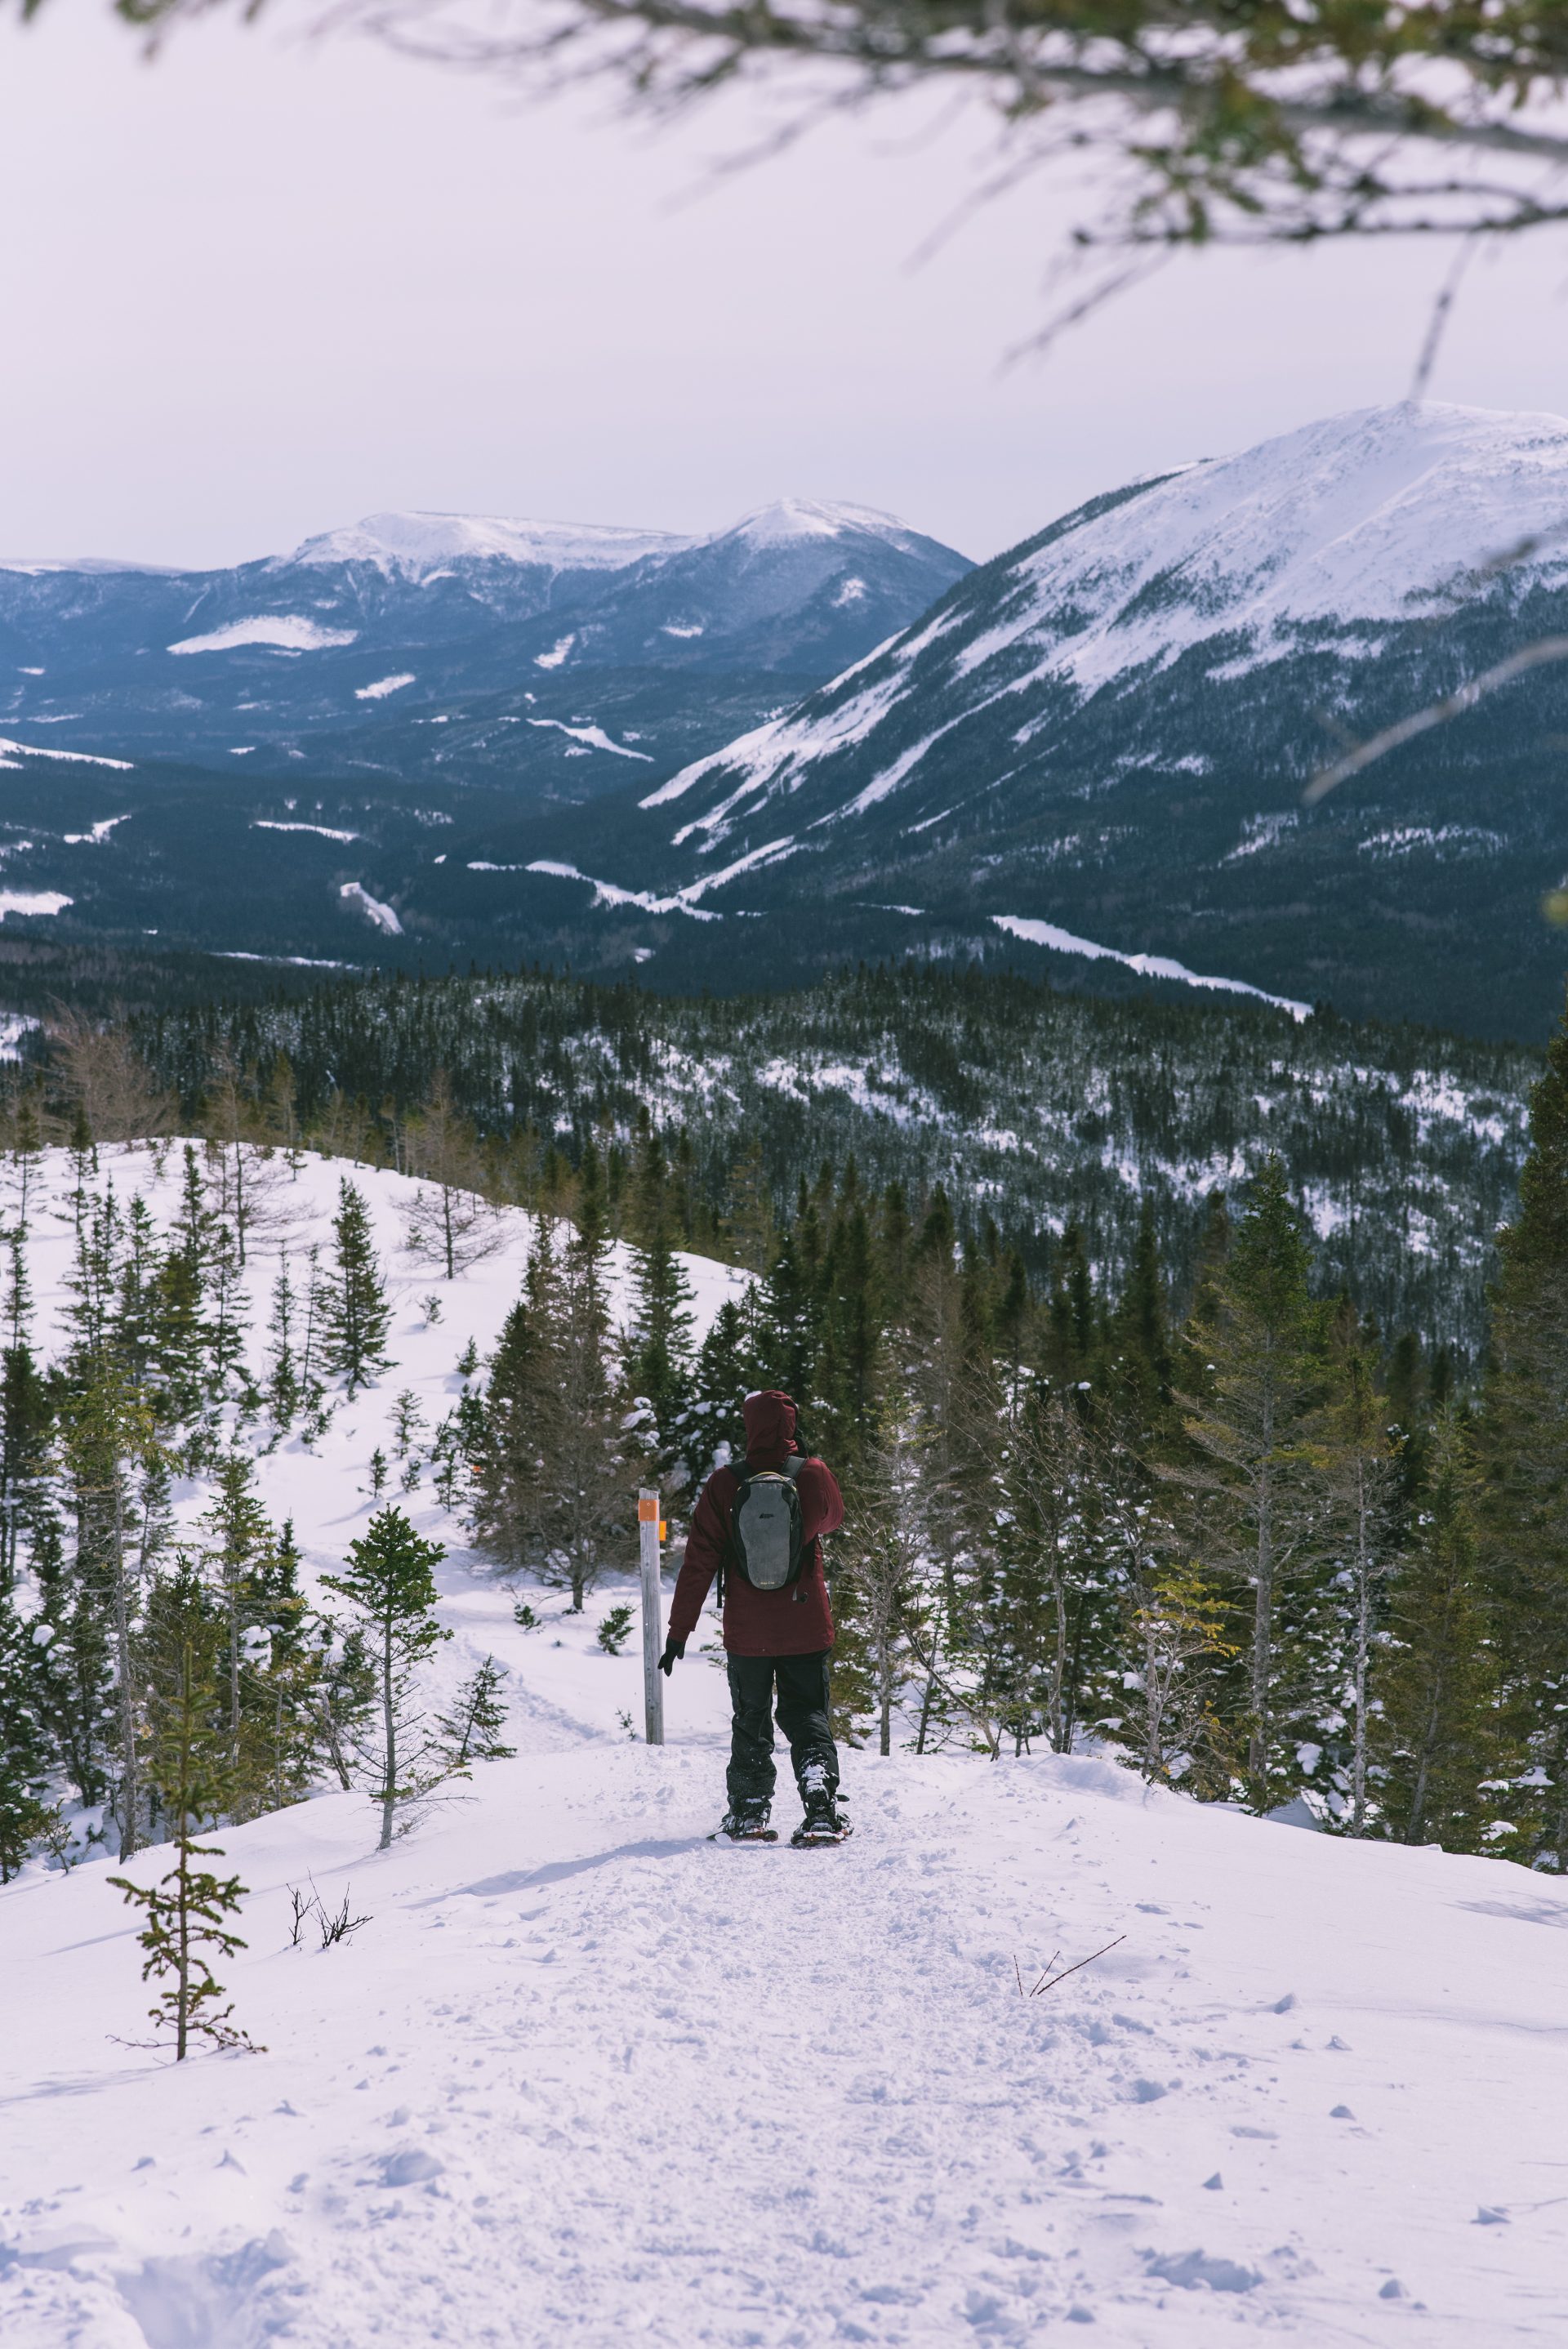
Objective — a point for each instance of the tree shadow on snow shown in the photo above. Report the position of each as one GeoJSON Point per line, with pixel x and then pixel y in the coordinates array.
{"type": "Point", "coordinates": [524, 1880]}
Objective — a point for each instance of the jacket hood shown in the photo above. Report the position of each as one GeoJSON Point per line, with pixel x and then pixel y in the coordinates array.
{"type": "Point", "coordinates": [769, 1428]}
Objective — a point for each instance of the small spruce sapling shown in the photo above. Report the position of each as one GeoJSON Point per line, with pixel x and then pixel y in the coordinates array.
{"type": "Point", "coordinates": [387, 1577]}
{"type": "Point", "coordinates": [471, 1730]}
{"type": "Point", "coordinates": [615, 1630]}
{"type": "Point", "coordinates": [408, 1423]}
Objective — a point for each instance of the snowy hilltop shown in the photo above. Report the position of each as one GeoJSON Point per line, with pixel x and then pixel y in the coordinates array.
{"type": "Point", "coordinates": [1043, 2044]}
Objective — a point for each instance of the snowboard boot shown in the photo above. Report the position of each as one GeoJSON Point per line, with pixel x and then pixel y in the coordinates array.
{"type": "Point", "coordinates": [746, 1824]}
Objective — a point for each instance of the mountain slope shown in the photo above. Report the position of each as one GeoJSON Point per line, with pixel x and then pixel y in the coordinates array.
{"type": "Point", "coordinates": [581, 2075]}
{"type": "Point", "coordinates": [1107, 731]}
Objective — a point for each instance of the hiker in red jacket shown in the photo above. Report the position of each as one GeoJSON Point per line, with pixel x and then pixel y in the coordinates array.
{"type": "Point", "coordinates": [757, 1528]}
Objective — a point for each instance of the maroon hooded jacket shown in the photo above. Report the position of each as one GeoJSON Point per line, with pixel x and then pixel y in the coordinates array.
{"type": "Point", "coordinates": [792, 1622]}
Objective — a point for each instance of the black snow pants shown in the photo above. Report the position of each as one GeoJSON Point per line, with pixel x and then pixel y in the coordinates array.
{"type": "Point", "coordinates": [802, 1683]}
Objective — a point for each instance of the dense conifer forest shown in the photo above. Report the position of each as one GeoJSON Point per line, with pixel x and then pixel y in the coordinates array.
{"type": "Point", "coordinates": [1036, 1111]}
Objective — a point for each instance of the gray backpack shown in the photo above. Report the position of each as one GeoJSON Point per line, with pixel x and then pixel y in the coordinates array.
{"type": "Point", "coordinates": [767, 1535]}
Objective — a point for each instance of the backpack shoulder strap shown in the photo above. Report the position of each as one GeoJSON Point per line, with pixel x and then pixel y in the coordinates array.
{"type": "Point", "coordinates": [793, 1465]}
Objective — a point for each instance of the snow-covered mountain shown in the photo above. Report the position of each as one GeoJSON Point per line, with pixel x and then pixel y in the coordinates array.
{"type": "Point", "coordinates": [417, 545]}
{"type": "Point", "coordinates": [465, 619]}
{"type": "Point", "coordinates": [1105, 733]}
{"type": "Point", "coordinates": [1085, 757]}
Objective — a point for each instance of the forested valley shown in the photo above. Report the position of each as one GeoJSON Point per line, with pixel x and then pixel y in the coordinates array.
{"type": "Point", "coordinates": [1144, 1469]}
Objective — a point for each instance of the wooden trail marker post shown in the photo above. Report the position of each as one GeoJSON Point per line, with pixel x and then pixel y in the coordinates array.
{"type": "Point", "coordinates": [652, 1609]}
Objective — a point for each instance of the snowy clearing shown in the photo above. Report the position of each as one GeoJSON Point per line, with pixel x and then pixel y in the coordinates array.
{"type": "Point", "coordinates": [287, 631]}
{"type": "Point", "coordinates": [594, 736]}
{"type": "Point", "coordinates": [32, 901]}
{"type": "Point", "coordinates": [324, 831]}
{"type": "Point", "coordinates": [375, 909]}
{"type": "Point", "coordinates": [1060, 941]}
{"type": "Point", "coordinates": [11, 751]}
{"type": "Point", "coordinates": [98, 835]}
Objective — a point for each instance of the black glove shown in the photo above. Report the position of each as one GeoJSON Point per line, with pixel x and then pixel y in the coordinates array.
{"type": "Point", "coordinates": [673, 1650]}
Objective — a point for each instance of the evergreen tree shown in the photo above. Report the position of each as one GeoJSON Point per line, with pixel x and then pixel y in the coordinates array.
{"type": "Point", "coordinates": [358, 1316]}
{"type": "Point", "coordinates": [1073, 1321]}
{"type": "Point", "coordinates": [893, 1243]}
{"type": "Point", "coordinates": [342, 1692]}
{"type": "Point", "coordinates": [280, 1688]}
{"type": "Point", "coordinates": [1440, 1730]}
{"type": "Point", "coordinates": [1074, 1526]}
{"type": "Point", "coordinates": [659, 1348]}
{"type": "Point", "coordinates": [748, 1231]}
{"type": "Point", "coordinates": [1256, 1368]}
{"type": "Point", "coordinates": [509, 1458]}
{"type": "Point", "coordinates": [788, 1315]}
{"type": "Point", "coordinates": [849, 1369]}
{"type": "Point", "coordinates": [1523, 1447]}
{"type": "Point", "coordinates": [239, 1557]}
{"type": "Point", "coordinates": [26, 1153]}
{"type": "Point", "coordinates": [227, 1308]}
{"type": "Point", "coordinates": [187, 1912]}
{"type": "Point", "coordinates": [73, 1630]}
{"type": "Point", "coordinates": [408, 1424]}
{"type": "Point", "coordinates": [181, 1336]}
{"type": "Point", "coordinates": [105, 1429]}
{"type": "Point", "coordinates": [471, 1732]}
{"type": "Point", "coordinates": [134, 1329]}
{"type": "Point", "coordinates": [561, 1458]}
{"type": "Point", "coordinates": [714, 1429]}
{"type": "Point", "coordinates": [19, 1307]}
{"type": "Point", "coordinates": [284, 1388]}
{"type": "Point", "coordinates": [387, 1577]}
{"type": "Point", "coordinates": [27, 1815]}
{"type": "Point", "coordinates": [877, 1562]}
{"type": "Point", "coordinates": [593, 1458]}
{"type": "Point", "coordinates": [1140, 1330]}
{"type": "Point", "coordinates": [26, 1422]}
{"type": "Point", "coordinates": [1360, 1463]}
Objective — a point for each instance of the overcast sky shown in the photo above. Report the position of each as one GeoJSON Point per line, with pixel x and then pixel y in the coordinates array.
{"type": "Point", "coordinates": [267, 287]}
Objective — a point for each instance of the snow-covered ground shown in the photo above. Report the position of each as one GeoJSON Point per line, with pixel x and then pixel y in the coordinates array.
{"type": "Point", "coordinates": [585, 2076]}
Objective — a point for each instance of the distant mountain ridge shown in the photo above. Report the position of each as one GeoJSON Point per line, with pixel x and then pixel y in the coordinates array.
{"type": "Point", "coordinates": [478, 617]}
{"type": "Point", "coordinates": [817, 737]}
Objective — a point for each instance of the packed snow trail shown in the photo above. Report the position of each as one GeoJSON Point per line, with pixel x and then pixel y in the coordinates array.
{"type": "Point", "coordinates": [583, 2075]}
